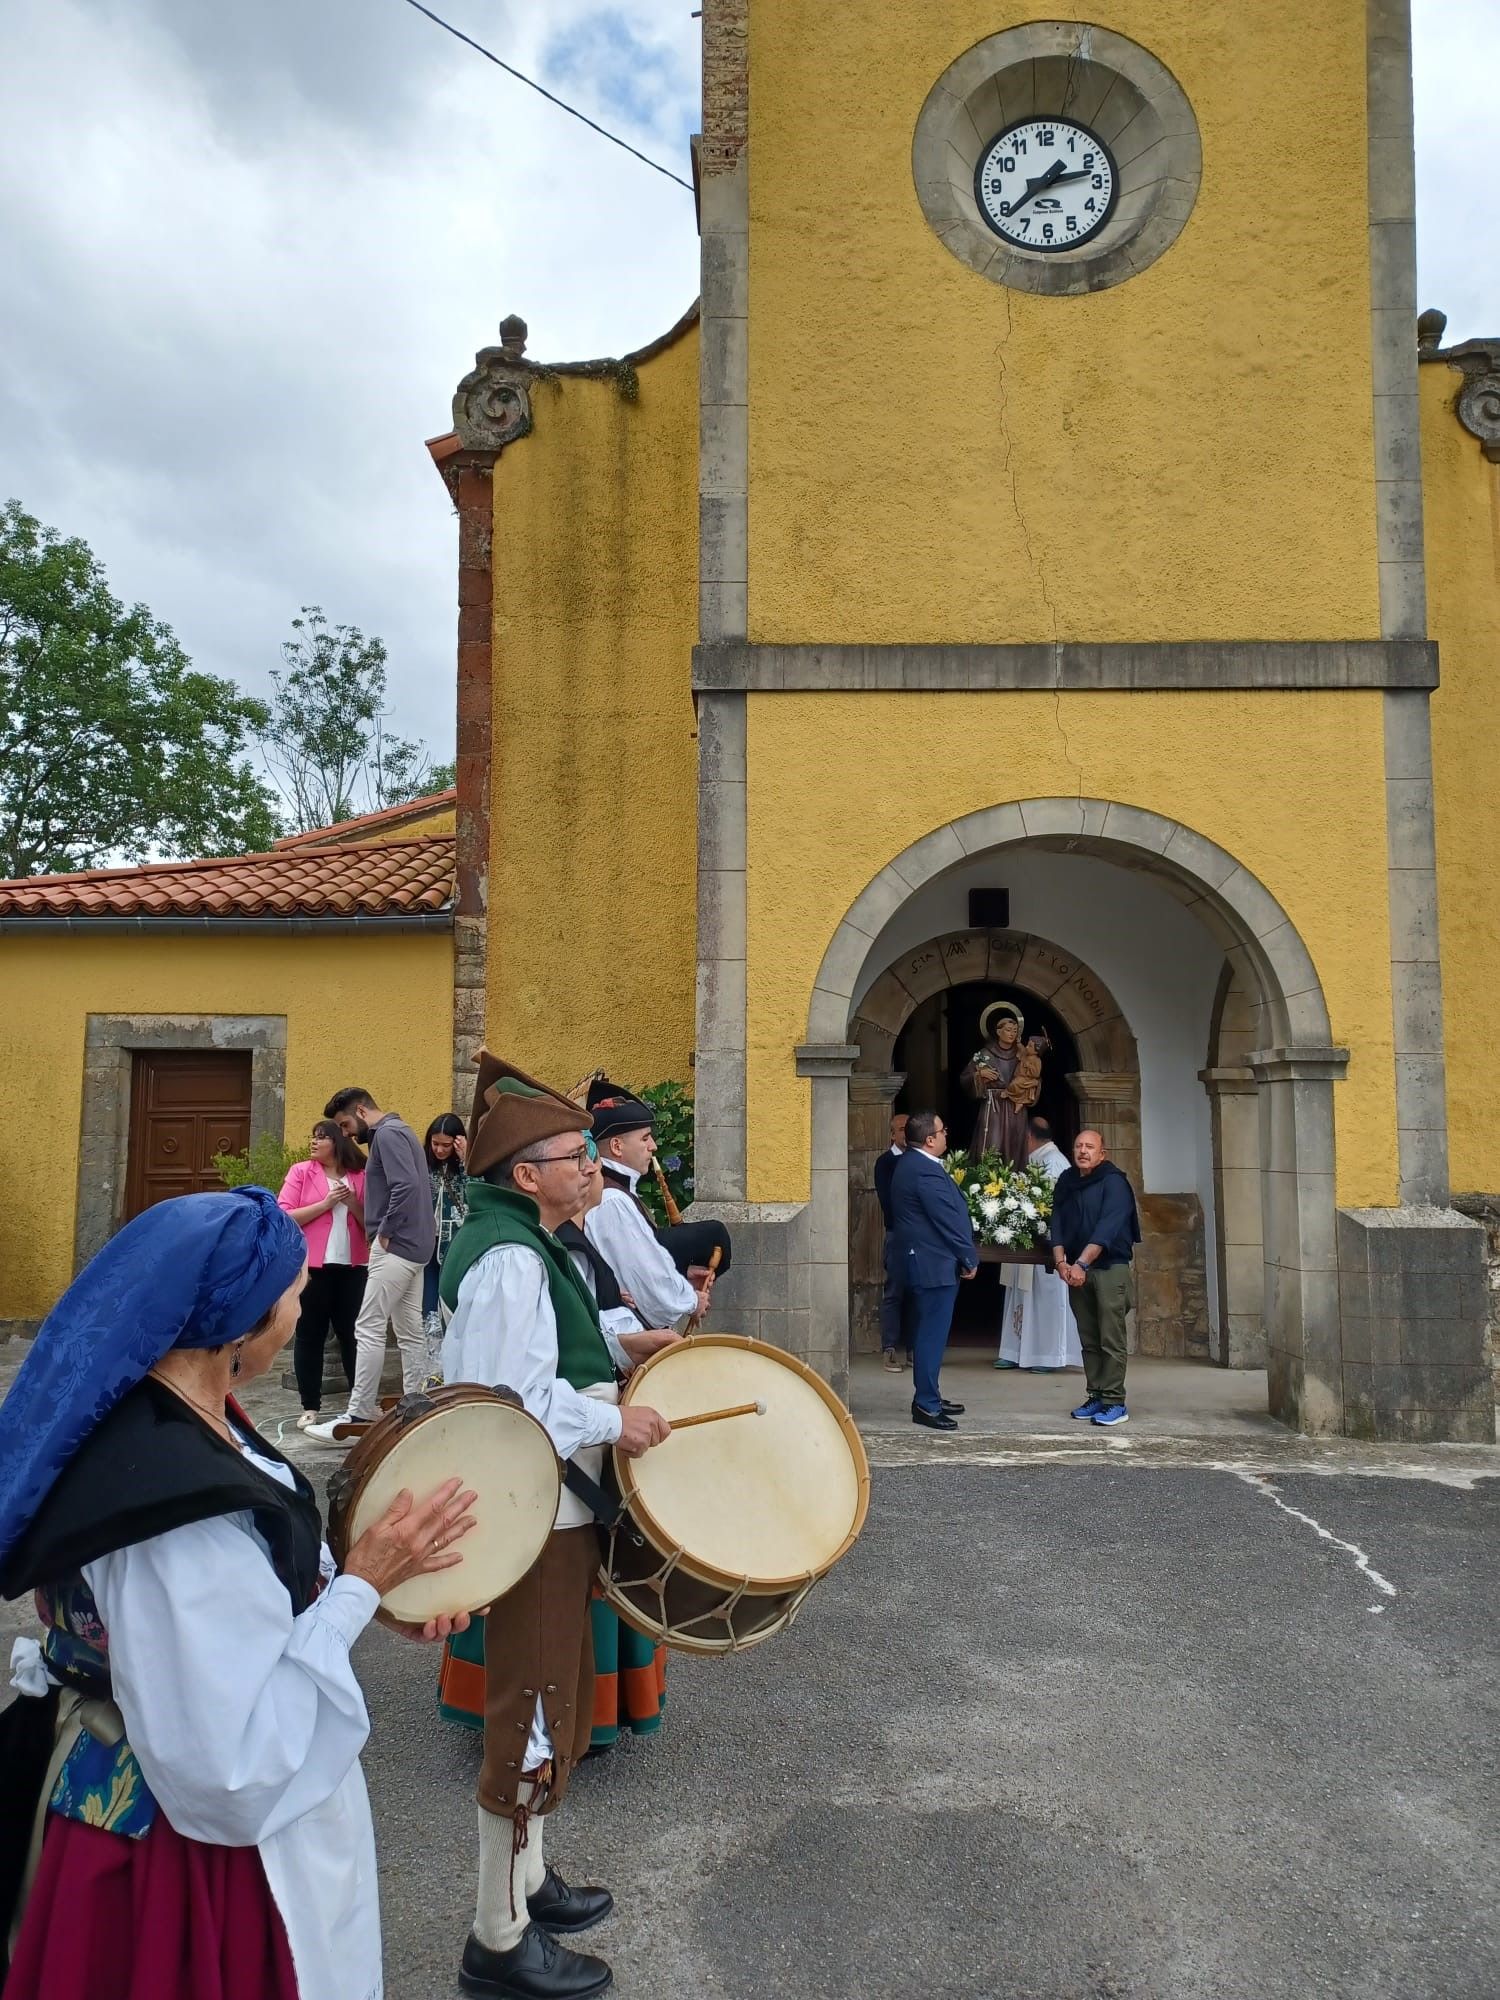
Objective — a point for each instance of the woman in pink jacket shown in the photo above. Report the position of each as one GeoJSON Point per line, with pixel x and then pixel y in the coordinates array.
{"type": "Point", "coordinates": [325, 1195]}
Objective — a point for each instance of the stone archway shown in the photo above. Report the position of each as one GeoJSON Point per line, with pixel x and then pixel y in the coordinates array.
{"type": "Point", "coordinates": [1294, 1069]}
{"type": "Point", "coordinates": [1107, 1083]}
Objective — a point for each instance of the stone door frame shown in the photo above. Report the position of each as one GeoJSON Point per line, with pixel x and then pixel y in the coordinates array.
{"type": "Point", "coordinates": [1294, 1069]}
{"type": "Point", "coordinates": [110, 1041]}
{"type": "Point", "coordinates": [1107, 1083]}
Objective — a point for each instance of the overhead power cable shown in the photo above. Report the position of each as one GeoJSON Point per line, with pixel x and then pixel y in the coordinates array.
{"type": "Point", "coordinates": [531, 84]}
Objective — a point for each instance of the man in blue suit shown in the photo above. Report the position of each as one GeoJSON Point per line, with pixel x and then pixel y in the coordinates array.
{"type": "Point", "coordinates": [932, 1247]}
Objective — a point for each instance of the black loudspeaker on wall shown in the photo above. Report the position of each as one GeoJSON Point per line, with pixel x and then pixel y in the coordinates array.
{"type": "Point", "coordinates": [989, 909]}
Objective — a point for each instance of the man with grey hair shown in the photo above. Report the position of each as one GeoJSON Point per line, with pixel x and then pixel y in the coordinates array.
{"type": "Point", "coordinates": [522, 1316]}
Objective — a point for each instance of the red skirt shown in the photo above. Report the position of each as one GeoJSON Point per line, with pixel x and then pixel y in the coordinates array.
{"type": "Point", "coordinates": [161, 1918]}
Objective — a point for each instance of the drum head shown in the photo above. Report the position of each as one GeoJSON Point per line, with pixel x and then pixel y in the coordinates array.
{"type": "Point", "coordinates": [775, 1498]}
{"type": "Point", "coordinates": [506, 1456]}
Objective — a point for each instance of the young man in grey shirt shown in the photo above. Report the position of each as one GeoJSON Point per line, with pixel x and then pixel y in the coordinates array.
{"type": "Point", "coordinates": [399, 1224]}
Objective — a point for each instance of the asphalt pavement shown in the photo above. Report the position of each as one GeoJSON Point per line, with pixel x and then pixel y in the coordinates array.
{"type": "Point", "coordinates": [1051, 1732]}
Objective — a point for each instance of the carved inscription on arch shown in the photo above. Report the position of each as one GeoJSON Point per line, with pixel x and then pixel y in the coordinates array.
{"type": "Point", "coordinates": [1010, 958]}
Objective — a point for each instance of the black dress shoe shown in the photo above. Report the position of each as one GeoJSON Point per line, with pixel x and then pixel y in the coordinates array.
{"type": "Point", "coordinates": [952, 1409]}
{"type": "Point", "coordinates": [538, 1968]}
{"type": "Point", "coordinates": [561, 1908]}
{"type": "Point", "coordinates": [935, 1420]}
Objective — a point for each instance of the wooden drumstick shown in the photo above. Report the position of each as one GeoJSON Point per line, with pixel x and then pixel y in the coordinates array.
{"type": "Point", "coordinates": [714, 1416]}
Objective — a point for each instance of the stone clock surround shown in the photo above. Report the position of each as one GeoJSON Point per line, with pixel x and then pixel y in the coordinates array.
{"type": "Point", "coordinates": [1118, 91]}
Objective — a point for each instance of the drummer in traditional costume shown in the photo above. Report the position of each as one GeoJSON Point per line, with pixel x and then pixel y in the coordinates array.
{"type": "Point", "coordinates": [522, 1317]}
{"type": "Point", "coordinates": [184, 1813]}
{"type": "Point", "coordinates": [651, 1263]}
{"type": "Point", "coordinates": [630, 1670]}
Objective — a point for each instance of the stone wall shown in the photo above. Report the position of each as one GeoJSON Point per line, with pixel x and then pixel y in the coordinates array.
{"type": "Point", "coordinates": [1485, 1210]}
{"type": "Point", "coordinates": [1171, 1288]}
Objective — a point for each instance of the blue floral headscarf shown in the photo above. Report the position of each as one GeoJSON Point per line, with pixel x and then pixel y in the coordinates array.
{"type": "Point", "coordinates": [196, 1272]}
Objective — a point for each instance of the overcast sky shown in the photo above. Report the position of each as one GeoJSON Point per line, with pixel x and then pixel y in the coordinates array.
{"type": "Point", "coordinates": [247, 248]}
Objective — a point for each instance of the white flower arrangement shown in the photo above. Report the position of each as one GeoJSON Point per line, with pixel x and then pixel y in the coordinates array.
{"type": "Point", "coordinates": [1008, 1206]}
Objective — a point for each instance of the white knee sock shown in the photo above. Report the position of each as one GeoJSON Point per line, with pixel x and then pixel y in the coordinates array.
{"type": "Point", "coordinates": [536, 1867]}
{"type": "Point", "coordinates": [502, 1881]}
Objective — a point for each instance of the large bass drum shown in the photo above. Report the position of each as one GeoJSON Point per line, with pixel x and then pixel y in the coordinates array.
{"type": "Point", "coordinates": [728, 1525]}
{"type": "Point", "coordinates": [494, 1447]}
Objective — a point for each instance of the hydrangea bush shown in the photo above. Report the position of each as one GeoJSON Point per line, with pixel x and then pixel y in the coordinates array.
{"type": "Point", "coordinates": [1008, 1206]}
{"type": "Point", "coordinates": [673, 1105]}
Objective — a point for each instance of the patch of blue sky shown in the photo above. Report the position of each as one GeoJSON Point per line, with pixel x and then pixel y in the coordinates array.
{"type": "Point", "coordinates": [617, 74]}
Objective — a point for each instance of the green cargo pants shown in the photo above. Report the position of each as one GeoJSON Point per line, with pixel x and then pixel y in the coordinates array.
{"type": "Point", "coordinates": [1099, 1305]}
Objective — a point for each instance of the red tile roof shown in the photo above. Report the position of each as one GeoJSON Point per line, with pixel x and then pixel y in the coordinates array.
{"type": "Point", "coordinates": [338, 834]}
{"type": "Point", "coordinates": [384, 879]}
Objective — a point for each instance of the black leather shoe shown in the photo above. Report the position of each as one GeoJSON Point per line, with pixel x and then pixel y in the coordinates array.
{"type": "Point", "coordinates": [935, 1420]}
{"type": "Point", "coordinates": [564, 1910]}
{"type": "Point", "coordinates": [952, 1409]}
{"type": "Point", "coordinates": [538, 1968]}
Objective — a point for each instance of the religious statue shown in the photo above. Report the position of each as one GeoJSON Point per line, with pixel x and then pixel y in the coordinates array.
{"type": "Point", "coordinates": [1006, 1076]}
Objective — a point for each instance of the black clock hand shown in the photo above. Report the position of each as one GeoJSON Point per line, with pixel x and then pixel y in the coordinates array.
{"type": "Point", "coordinates": [1033, 188]}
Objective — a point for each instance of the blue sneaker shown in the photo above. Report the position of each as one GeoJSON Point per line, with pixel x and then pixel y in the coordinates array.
{"type": "Point", "coordinates": [1089, 1409]}
{"type": "Point", "coordinates": [1112, 1413]}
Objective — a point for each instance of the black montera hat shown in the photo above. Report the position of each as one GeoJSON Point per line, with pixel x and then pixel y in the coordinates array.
{"type": "Point", "coordinates": [617, 1110]}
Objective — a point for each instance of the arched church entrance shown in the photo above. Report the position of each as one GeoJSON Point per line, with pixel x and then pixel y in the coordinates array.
{"type": "Point", "coordinates": [916, 1027]}
{"type": "Point", "coordinates": [1240, 1266]}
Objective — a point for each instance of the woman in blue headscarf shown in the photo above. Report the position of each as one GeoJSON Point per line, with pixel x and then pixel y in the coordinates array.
{"type": "Point", "coordinates": [185, 1817]}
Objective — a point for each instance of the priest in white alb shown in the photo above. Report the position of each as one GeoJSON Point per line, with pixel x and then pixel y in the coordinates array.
{"type": "Point", "coordinates": [1037, 1329]}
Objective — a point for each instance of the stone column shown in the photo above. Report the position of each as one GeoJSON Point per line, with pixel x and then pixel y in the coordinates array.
{"type": "Point", "coordinates": [829, 1068]}
{"type": "Point", "coordinates": [870, 1100]}
{"type": "Point", "coordinates": [1109, 1101]}
{"type": "Point", "coordinates": [1301, 1291]}
{"type": "Point", "coordinates": [1239, 1251]}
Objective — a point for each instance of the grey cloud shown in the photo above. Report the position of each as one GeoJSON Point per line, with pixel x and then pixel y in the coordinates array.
{"type": "Point", "coordinates": [264, 66]}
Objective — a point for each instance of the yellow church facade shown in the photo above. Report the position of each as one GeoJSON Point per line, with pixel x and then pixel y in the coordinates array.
{"type": "Point", "coordinates": [1052, 562]}
{"type": "Point", "coordinates": [1144, 579]}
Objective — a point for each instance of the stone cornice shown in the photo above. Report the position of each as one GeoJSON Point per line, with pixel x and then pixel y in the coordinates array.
{"type": "Point", "coordinates": [1351, 663]}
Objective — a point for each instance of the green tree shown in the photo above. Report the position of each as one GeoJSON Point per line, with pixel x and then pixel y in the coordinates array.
{"type": "Point", "coordinates": [325, 741]}
{"type": "Point", "coordinates": [112, 747]}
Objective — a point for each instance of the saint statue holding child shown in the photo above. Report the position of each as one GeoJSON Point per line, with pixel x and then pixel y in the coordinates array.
{"type": "Point", "coordinates": [1005, 1074]}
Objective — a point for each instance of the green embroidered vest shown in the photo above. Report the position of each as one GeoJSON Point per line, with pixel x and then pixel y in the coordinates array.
{"type": "Point", "coordinates": [500, 1215]}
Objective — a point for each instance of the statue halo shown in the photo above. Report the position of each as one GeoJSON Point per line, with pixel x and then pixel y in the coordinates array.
{"type": "Point", "coordinates": [1001, 1007]}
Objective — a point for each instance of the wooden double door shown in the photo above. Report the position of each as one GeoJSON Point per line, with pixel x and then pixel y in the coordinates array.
{"type": "Point", "coordinates": [186, 1105]}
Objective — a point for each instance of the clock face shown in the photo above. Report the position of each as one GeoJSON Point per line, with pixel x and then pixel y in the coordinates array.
{"type": "Point", "coordinates": [1046, 184]}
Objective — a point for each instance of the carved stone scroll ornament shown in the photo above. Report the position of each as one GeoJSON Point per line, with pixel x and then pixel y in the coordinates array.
{"type": "Point", "coordinates": [1479, 398]}
{"type": "Point", "coordinates": [492, 404]}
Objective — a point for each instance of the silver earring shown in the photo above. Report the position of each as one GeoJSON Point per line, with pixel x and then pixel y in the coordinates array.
{"type": "Point", "coordinates": [234, 1366]}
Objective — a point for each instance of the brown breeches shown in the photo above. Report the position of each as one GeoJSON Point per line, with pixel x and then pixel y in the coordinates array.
{"type": "Point", "coordinates": [537, 1641]}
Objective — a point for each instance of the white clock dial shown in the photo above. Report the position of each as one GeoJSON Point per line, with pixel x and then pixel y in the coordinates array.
{"type": "Point", "coordinates": [1045, 184]}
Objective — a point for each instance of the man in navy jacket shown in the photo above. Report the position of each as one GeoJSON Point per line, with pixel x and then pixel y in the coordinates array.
{"type": "Point", "coordinates": [1093, 1233]}
{"type": "Point", "coordinates": [932, 1247]}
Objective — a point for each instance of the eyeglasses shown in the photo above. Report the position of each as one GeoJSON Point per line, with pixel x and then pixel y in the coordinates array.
{"type": "Point", "coordinates": [564, 1159]}
{"type": "Point", "coordinates": [589, 1146]}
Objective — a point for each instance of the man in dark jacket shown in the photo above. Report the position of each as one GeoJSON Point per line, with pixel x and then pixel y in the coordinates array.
{"type": "Point", "coordinates": [932, 1247]}
{"type": "Point", "coordinates": [892, 1333]}
{"type": "Point", "coordinates": [1093, 1234]}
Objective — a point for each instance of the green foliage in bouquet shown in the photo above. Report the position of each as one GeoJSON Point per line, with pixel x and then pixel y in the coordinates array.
{"type": "Point", "coordinates": [1009, 1206]}
{"type": "Point", "coordinates": [265, 1163]}
{"type": "Point", "coordinates": [673, 1105]}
